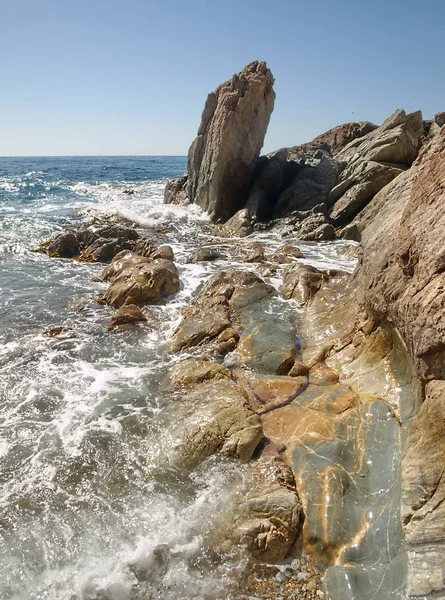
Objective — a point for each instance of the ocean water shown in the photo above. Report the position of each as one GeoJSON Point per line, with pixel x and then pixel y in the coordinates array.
{"type": "Point", "coordinates": [91, 506]}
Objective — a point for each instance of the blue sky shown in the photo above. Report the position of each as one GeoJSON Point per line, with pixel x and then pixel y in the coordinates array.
{"type": "Point", "coordinates": [131, 76]}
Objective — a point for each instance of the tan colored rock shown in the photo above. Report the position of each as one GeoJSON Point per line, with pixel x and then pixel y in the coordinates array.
{"type": "Point", "coordinates": [271, 516]}
{"type": "Point", "coordinates": [221, 422]}
{"type": "Point", "coordinates": [216, 308]}
{"type": "Point", "coordinates": [252, 252]}
{"type": "Point", "coordinates": [273, 392]}
{"type": "Point", "coordinates": [129, 314]}
{"type": "Point", "coordinates": [332, 141]}
{"type": "Point", "coordinates": [302, 282]}
{"type": "Point", "coordinates": [122, 261]}
{"type": "Point", "coordinates": [287, 254]}
{"type": "Point", "coordinates": [143, 283]}
{"type": "Point", "coordinates": [201, 323]}
{"type": "Point", "coordinates": [402, 282]}
{"type": "Point", "coordinates": [240, 225]}
{"type": "Point", "coordinates": [371, 162]}
{"type": "Point", "coordinates": [321, 374]}
{"type": "Point", "coordinates": [193, 372]}
{"type": "Point", "coordinates": [403, 269]}
{"type": "Point", "coordinates": [222, 159]}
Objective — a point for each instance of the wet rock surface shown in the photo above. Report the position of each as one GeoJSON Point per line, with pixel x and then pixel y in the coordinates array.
{"type": "Point", "coordinates": [328, 385]}
{"type": "Point", "coordinates": [143, 283]}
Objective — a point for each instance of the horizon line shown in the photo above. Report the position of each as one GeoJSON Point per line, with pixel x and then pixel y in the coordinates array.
{"type": "Point", "coordinates": [90, 155]}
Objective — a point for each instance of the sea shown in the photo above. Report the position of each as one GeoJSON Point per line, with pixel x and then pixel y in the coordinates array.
{"type": "Point", "coordinates": [91, 506]}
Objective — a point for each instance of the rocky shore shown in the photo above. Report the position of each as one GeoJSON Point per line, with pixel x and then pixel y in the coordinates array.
{"type": "Point", "coordinates": [330, 384]}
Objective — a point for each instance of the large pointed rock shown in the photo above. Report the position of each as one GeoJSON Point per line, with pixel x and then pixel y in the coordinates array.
{"type": "Point", "coordinates": [222, 158]}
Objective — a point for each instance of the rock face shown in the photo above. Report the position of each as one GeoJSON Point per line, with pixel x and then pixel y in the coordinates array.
{"type": "Point", "coordinates": [403, 281]}
{"type": "Point", "coordinates": [332, 141]}
{"type": "Point", "coordinates": [222, 158]}
{"type": "Point", "coordinates": [371, 162]}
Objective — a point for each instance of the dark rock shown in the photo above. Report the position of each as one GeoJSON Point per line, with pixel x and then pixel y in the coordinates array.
{"type": "Point", "coordinates": [103, 250]}
{"type": "Point", "coordinates": [266, 185]}
{"type": "Point", "coordinates": [65, 245]}
{"type": "Point", "coordinates": [301, 195]}
{"type": "Point", "coordinates": [88, 234]}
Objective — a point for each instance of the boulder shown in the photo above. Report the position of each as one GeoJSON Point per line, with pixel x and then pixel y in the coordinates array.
{"type": "Point", "coordinates": [207, 254]}
{"type": "Point", "coordinates": [176, 191]}
{"type": "Point", "coordinates": [222, 158]}
{"type": "Point", "coordinates": [302, 282]}
{"type": "Point", "coordinates": [270, 517]}
{"type": "Point", "coordinates": [143, 283]}
{"type": "Point", "coordinates": [104, 250]}
{"type": "Point", "coordinates": [122, 261]}
{"type": "Point", "coordinates": [240, 225]}
{"type": "Point", "coordinates": [369, 163]}
{"type": "Point", "coordinates": [92, 243]}
{"type": "Point", "coordinates": [88, 234]}
{"type": "Point", "coordinates": [252, 252]}
{"type": "Point", "coordinates": [217, 306]}
{"type": "Point", "coordinates": [287, 254]}
{"type": "Point", "coordinates": [221, 422]}
{"type": "Point", "coordinates": [65, 245]}
{"type": "Point", "coordinates": [127, 315]}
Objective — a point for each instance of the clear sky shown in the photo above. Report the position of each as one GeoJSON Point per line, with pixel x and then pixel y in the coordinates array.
{"type": "Point", "coordinates": [131, 76]}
